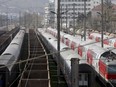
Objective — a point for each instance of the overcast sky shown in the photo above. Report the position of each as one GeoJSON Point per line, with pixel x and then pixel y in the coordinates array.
{"type": "Point", "coordinates": [23, 5]}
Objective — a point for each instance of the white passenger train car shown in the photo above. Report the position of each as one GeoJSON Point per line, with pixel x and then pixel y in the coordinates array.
{"type": "Point", "coordinates": [8, 59]}
{"type": "Point", "coordinates": [65, 58]}
{"type": "Point", "coordinates": [102, 60]}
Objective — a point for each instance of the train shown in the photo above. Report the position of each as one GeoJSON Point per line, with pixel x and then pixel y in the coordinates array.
{"type": "Point", "coordinates": [95, 36]}
{"type": "Point", "coordinates": [109, 40]}
{"type": "Point", "coordinates": [7, 37]}
{"type": "Point", "coordinates": [101, 60]}
{"type": "Point", "coordinates": [8, 68]}
{"type": "Point", "coordinates": [66, 55]}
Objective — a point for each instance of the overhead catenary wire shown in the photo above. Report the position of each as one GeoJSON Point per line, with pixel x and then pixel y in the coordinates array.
{"type": "Point", "coordinates": [40, 57]}
{"type": "Point", "coordinates": [26, 66]}
{"type": "Point", "coordinates": [62, 51]}
{"type": "Point", "coordinates": [34, 49]}
{"type": "Point", "coordinates": [30, 68]}
{"type": "Point", "coordinates": [50, 54]}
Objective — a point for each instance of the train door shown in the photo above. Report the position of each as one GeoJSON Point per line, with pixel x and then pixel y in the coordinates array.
{"type": "Point", "coordinates": [115, 44]}
{"type": "Point", "coordinates": [80, 51]}
{"type": "Point", "coordinates": [89, 57]}
{"type": "Point", "coordinates": [102, 68]}
{"type": "Point", "coordinates": [97, 39]}
{"type": "Point", "coordinates": [62, 39]}
{"type": "Point", "coordinates": [67, 42]}
{"type": "Point", "coordinates": [91, 37]}
{"type": "Point", "coordinates": [83, 79]}
{"type": "Point", "coordinates": [84, 52]}
{"type": "Point", "coordinates": [95, 60]}
{"type": "Point", "coordinates": [73, 45]}
{"type": "Point", "coordinates": [106, 42]}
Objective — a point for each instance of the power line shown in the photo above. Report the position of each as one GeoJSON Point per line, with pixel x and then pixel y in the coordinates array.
{"type": "Point", "coordinates": [37, 58]}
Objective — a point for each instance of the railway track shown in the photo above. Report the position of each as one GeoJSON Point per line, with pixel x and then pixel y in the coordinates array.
{"type": "Point", "coordinates": [53, 69]}
{"type": "Point", "coordinates": [53, 74]}
{"type": "Point", "coordinates": [36, 72]}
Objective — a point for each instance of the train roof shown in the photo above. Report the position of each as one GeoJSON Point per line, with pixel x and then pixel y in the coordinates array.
{"type": "Point", "coordinates": [114, 50]}
{"type": "Point", "coordinates": [67, 55]}
{"type": "Point", "coordinates": [98, 51]}
{"type": "Point", "coordinates": [53, 41]}
{"type": "Point", "coordinates": [104, 46]}
{"type": "Point", "coordinates": [112, 39]}
{"type": "Point", "coordinates": [6, 60]}
{"type": "Point", "coordinates": [99, 35]}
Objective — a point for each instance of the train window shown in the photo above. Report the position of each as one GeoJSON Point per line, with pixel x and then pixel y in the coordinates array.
{"type": "Point", "coordinates": [80, 77]}
{"type": "Point", "coordinates": [109, 55]}
{"type": "Point", "coordinates": [66, 48]}
{"type": "Point", "coordinates": [86, 77]}
{"type": "Point", "coordinates": [15, 43]}
{"type": "Point", "coordinates": [105, 54]}
{"type": "Point", "coordinates": [55, 40]}
{"type": "Point", "coordinates": [112, 69]}
{"type": "Point", "coordinates": [67, 42]}
{"type": "Point", "coordinates": [7, 54]}
{"type": "Point", "coordinates": [106, 42]}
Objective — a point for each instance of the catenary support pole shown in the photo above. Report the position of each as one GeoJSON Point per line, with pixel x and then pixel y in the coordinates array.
{"type": "Point", "coordinates": [67, 19]}
{"type": "Point", "coordinates": [84, 20]}
{"type": "Point", "coordinates": [102, 21]}
{"type": "Point", "coordinates": [61, 16]}
{"type": "Point", "coordinates": [74, 72]}
{"type": "Point", "coordinates": [58, 42]}
{"type": "Point", "coordinates": [74, 19]}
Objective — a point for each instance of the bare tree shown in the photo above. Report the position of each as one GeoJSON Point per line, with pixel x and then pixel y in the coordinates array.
{"type": "Point", "coordinates": [108, 10]}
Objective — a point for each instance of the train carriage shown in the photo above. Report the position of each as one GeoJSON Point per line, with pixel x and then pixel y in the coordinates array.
{"type": "Point", "coordinates": [101, 60]}
{"type": "Point", "coordinates": [9, 57]}
{"type": "Point", "coordinates": [65, 56]}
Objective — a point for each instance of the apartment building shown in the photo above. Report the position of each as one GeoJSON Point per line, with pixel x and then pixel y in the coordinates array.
{"type": "Point", "coordinates": [73, 7]}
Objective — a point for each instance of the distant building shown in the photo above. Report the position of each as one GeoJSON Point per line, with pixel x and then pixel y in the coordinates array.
{"type": "Point", "coordinates": [74, 5]}
{"type": "Point", "coordinates": [46, 16]}
{"type": "Point", "coordinates": [49, 16]}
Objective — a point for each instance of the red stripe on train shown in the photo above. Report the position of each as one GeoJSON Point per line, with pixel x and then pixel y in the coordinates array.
{"type": "Point", "coordinates": [114, 44]}
{"type": "Point", "coordinates": [110, 76]}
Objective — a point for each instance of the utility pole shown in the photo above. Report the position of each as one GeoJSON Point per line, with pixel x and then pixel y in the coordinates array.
{"type": "Point", "coordinates": [19, 19]}
{"type": "Point", "coordinates": [1, 24]}
{"type": "Point", "coordinates": [74, 72]}
{"type": "Point", "coordinates": [37, 20]}
{"type": "Point", "coordinates": [74, 19]}
{"type": "Point", "coordinates": [25, 19]}
{"type": "Point", "coordinates": [66, 19]}
{"type": "Point", "coordinates": [102, 17]}
{"type": "Point", "coordinates": [7, 21]}
{"type": "Point", "coordinates": [11, 20]}
{"type": "Point", "coordinates": [61, 18]}
{"type": "Point", "coordinates": [84, 20]}
{"type": "Point", "coordinates": [58, 42]}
